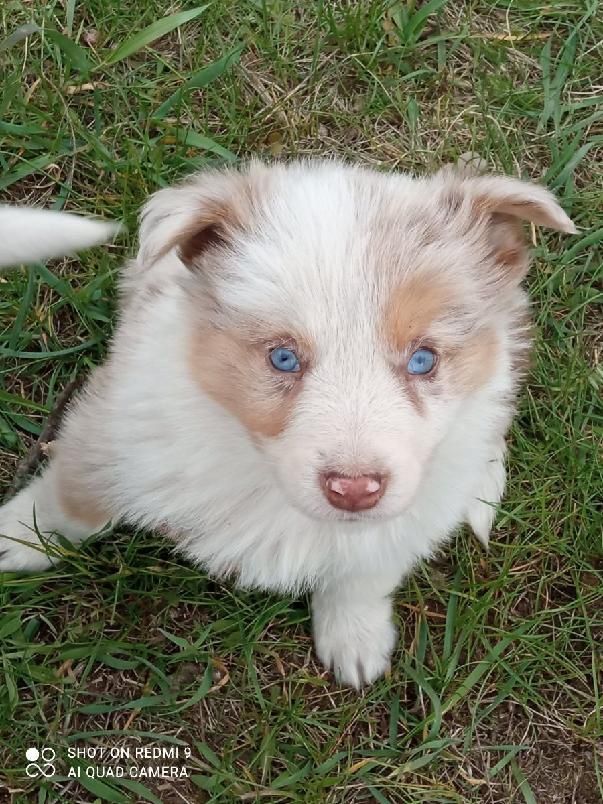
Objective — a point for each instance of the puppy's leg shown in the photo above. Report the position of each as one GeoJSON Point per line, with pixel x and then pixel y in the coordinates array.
{"type": "Point", "coordinates": [482, 510]}
{"type": "Point", "coordinates": [53, 503]}
{"type": "Point", "coordinates": [353, 629]}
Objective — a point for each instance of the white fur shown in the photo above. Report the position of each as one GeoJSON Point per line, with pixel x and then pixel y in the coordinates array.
{"type": "Point", "coordinates": [28, 234]}
{"type": "Point", "coordinates": [482, 509]}
{"type": "Point", "coordinates": [328, 246]}
{"type": "Point", "coordinates": [27, 515]}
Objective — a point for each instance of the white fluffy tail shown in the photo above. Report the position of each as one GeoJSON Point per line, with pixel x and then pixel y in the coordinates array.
{"type": "Point", "coordinates": [29, 234]}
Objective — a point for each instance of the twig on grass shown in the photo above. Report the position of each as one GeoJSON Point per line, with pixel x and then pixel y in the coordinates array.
{"type": "Point", "coordinates": [39, 449]}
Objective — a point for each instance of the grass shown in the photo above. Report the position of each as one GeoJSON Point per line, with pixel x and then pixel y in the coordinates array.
{"type": "Point", "coordinates": [494, 694]}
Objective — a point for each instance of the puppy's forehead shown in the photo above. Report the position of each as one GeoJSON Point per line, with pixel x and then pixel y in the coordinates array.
{"type": "Point", "coordinates": [327, 245]}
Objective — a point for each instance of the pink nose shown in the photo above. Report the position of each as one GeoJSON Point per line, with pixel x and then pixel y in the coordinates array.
{"type": "Point", "coordinates": [353, 493]}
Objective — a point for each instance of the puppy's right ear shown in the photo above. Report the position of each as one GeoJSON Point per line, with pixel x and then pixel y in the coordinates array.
{"type": "Point", "coordinates": [191, 219]}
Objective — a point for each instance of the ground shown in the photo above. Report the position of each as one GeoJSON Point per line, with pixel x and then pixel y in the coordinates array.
{"type": "Point", "coordinates": [494, 694]}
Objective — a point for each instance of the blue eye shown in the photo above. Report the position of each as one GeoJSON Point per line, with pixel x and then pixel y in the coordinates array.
{"type": "Point", "coordinates": [284, 359]}
{"type": "Point", "coordinates": [421, 362]}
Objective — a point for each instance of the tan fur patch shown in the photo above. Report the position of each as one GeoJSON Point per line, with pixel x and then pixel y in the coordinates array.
{"type": "Point", "coordinates": [475, 362]}
{"type": "Point", "coordinates": [80, 506]}
{"type": "Point", "coordinates": [235, 373]}
{"type": "Point", "coordinates": [521, 345]}
{"type": "Point", "coordinates": [412, 308]}
{"type": "Point", "coordinates": [509, 247]}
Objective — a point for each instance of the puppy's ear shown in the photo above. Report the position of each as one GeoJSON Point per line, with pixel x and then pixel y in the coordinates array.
{"type": "Point", "coordinates": [193, 218]}
{"type": "Point", "coordinates": [518, 199]}
{"type": "Point", "coordinates": [493, 208]}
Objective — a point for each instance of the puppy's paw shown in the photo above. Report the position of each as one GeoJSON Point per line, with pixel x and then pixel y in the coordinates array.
{"type": "Point", "coordinates": [20, 547]}
{"type": "Point", "coordinates": [355, 641]}
{"type": "Point", "coordinates": [482, 510]}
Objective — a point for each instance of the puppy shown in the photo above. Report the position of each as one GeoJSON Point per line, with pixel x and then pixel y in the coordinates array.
{"type": "Point", "coordinates": [29, 234]}
{"type": "Point", "coordinates": [309, 387]}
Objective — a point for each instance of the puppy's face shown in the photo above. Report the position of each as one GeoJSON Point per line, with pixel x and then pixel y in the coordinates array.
{"type": "Point", "coordinates": [343, 316]}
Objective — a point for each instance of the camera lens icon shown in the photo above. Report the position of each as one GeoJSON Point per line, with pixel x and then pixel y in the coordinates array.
{"type": "Point", "coordinates": [46, 768]}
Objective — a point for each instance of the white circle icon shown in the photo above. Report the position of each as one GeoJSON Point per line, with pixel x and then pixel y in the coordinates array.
{"type": "Point", "coordinates": [32, 754]}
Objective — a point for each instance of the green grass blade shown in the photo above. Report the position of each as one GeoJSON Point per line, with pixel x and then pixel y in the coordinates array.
{"type": "Point", "coordinates": [81, 347]}
{"type": "Point", "coordinates": [435, 718]}
{"type": "Point", "coordinates": [69, 16]}
{"type": "Point", "coordinates": [200, 79]}
{"type": "Point", "coordinates": [13, 399]}
{"type": "Point", "coordinates": [524, 787]}
{"type": "Point", "coordinates": [18, 35]}
{"type": "Point", "coordinates": [143, 793]}
{"type": "Point", "coordinates": [418, 20]}
{"type": "Point", "coordinates": [451, 613]}
{"type": "Point", "coordinates": [478, 671]}
{"type": "Point", "coordinates": [591, 239]}
{"type": "Point", "coordinates": [23, 311]}
{"type": "Point", "coordinates": [289, 777]}
{"type": "Point", "coordinates": [26, 168]}
{"type": "Point", "coordinates": [194, 140]}
{"type": "Point", "coordinates": [379, 797]}
{"type": "Point", "coordinates": [74, 53]}
{"type": "Point", "coordinates": [101, 790]}
{"type": "Point", "coordinates": [152, 32]}
{"type": "Point", "coordinates": [573, 159]}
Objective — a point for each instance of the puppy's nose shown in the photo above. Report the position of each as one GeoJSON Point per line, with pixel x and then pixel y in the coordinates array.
{"type": "Point", "coordinates": [353, 493]}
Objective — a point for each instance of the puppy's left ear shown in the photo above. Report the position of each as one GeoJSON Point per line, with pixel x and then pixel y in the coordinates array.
{"type": "Point", "coordinates": [490, 210]}
{"type": "Point", "coordinates": [518, 199]}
